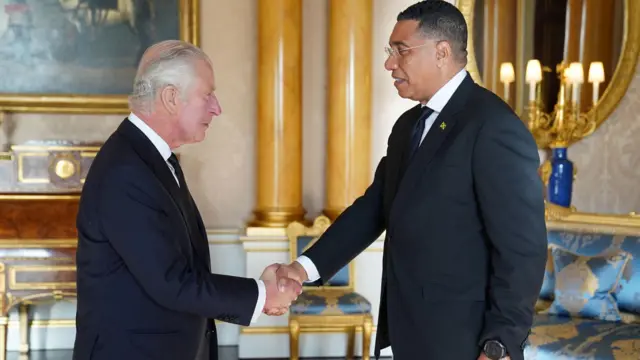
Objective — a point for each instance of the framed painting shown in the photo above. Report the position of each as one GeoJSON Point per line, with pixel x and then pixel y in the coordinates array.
{"type": "Point", "coordinates": [80, 56]}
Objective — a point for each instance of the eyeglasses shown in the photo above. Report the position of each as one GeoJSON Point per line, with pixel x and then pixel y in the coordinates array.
{"type": "Point", "coordinates": [395, 52]}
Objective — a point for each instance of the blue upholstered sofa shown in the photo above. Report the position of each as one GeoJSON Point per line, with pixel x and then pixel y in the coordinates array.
{"type": "Point", "coordinates": [589, 306]}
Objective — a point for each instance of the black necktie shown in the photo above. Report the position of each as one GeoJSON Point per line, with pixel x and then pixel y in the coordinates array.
{"type": "Point", "coordinates": [173, 160]}
{"type": "Point", "coordinates": [418, 130]}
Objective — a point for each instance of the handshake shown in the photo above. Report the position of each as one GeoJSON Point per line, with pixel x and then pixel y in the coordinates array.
{"type": "Point", "coordinates": [283, 284]}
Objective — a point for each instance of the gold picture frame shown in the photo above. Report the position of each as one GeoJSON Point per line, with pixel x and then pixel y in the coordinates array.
{"type": "Point", "coordinates": [32, 102]}
{"type": "Point", "coordinates": [621, 78]}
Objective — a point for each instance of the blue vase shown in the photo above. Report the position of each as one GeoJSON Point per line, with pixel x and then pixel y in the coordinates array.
{"type": "Point", "coordinates": [561, 179]}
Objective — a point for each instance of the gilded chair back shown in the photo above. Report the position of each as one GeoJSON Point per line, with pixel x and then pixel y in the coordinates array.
{"type": "Point", "coordinates": [302, 237]}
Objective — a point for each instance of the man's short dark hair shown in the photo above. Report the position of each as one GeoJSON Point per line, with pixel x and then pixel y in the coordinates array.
{"type": "Point", "coordinates": [440, 20]}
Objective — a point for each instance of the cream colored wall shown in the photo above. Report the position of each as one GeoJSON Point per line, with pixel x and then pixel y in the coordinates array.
{"type": "Point", "coordinates": [608, 161]}
{"type": "Point", "coordinates": [221, 170]}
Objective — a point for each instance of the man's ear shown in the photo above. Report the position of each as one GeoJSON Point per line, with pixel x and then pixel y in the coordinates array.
{"type": "Point", "coordinates": [169, 98]}
{"type": "Point", "coordinates": [443, 52]}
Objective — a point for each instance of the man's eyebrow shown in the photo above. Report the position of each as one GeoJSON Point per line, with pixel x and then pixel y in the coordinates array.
{"type": "Point", "coordinates": [398, 43]}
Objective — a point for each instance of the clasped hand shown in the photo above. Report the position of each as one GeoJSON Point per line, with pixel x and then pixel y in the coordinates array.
{"type": "Point", "coordinates": [283, 284]}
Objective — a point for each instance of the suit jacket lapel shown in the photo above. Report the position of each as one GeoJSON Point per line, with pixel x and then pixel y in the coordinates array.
{"type": "Point", "coordinates": [437, 134]}
{"type": "Point", "coordinates": [398, 148]}
{"type": "Point", "coordinates": [443, 126]}
{"type": "Point", "coordinates": [154, 160]}
{"type": "Point", "coordinates": [203, 231]}
{"type": "Point", "coordinates": [201, 243]}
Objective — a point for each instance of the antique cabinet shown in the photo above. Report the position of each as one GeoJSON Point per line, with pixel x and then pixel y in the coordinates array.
{"type": "Point", "coordinates": [40, 186]}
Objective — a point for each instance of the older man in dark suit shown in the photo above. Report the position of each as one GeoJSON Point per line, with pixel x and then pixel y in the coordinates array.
{"type": "Point", "coordinates": [461, 201]}
{"type": "Point", "coordinates": [145, 287]}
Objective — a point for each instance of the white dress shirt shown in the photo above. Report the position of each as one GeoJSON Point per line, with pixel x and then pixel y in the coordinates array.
{"type": "Point", "coordinates": [161, 145]}
{"type": "Point", "coordinates": [165, 151]}
{"type": "Point", "coordinates": [436, 103]}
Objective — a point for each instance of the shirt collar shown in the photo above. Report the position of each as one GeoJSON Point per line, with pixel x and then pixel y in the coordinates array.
{"type": "Point", "coordinates": [156, 140]}
{"type": "Point", "coordinates": [442, 96]}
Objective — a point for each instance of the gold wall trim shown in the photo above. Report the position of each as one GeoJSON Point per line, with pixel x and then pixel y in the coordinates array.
{"type": "Point", "coordinates": [560, 218]}
{"type": "Point", "coordinates": [262, 240]}
{"type": "Point", "coordinates": [224, 242]}
{"type": "Point", "coordinates": [262, 249]}
{"type": "Point", "coordinates": [5, 155]}
{"type": "Point", "coordinates": [38, 243]}
{"type": "Point", "coordinates": [15, 270]}
{"type": "Point", "coordinates": [267, 330]}
{"type": "Point", "coordinates": [40, 197]}
{"type": "Point", "coordinates": [43, 323]}
{"type": "Point", "coordinates": [66, 148]}
{"type": "Point", "coordinates": [593, 228]}
{"type": "Point", "coordinates": [52, 323]}
{"type": "Point", "coordinates": [71, 243]}
{"type": "Point", "coordinates": [286, 250]}
{"type": "Point", "coordinates": [224, 231]}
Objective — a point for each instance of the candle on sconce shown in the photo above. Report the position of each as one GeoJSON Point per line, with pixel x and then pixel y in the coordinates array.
{"type": "Point", "coordinates": [596, 76]}
{"type": "Point", "coordinates": [533, 76]}
{"type": "Point", "coordinates": [507, 76]}
{"type": "Point", "coordinates": [575, 76]}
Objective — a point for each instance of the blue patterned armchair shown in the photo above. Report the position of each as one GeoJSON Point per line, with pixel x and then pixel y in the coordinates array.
{"type": "Point", "coordinates": [332, 307]}
{"type": "Point", "coordinates": [589, 306]}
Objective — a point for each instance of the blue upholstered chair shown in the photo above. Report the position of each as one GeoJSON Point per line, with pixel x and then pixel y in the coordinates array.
{"type": "Point", "coordinates": [330, 307]}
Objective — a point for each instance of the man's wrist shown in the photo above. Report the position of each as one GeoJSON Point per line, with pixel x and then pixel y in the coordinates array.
{"type": "Point", "coordinates": [300, 270]}
{"type": "Point", "coordinates": [261, 301]}
{"type": "Point", "coordinates": [494, 350]}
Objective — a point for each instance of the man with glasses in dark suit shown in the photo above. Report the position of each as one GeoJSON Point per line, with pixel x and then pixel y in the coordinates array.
{"type": "Point", "coordinates": [460, 199]}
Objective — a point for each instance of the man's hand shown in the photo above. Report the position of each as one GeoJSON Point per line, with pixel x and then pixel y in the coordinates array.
{"type": "Point", "coordinates": [280, 291]}
{"type": "Point", "coordinates": [293, 271]}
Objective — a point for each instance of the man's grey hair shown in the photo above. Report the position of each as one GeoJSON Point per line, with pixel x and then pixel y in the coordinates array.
{"type": "Point", "coordinates": [440, 20]}
{"type": "Point", "coordinates": [170, 62]}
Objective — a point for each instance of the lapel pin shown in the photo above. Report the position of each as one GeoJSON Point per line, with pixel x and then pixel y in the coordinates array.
{"type": "Point", "coordinates": [443, 125]}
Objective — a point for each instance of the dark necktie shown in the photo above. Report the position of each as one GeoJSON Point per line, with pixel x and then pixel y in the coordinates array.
{"type": "Point", "coordinates": [173, 160]}
{"type": "Point", "coordinates": [418, 130]}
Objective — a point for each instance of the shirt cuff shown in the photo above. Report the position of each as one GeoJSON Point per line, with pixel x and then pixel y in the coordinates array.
{"type": "Point", "coordinates": [262, 298]}
{"type": "Point", "coordinates": [309, 267]}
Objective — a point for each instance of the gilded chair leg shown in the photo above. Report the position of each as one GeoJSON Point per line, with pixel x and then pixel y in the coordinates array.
{"type": "Point", "coordinates": [351, 342]}
{"type": "Point", "coordinates": [23, 312]}
{"type": "Point", "coordinates": [294, 333]}
{"type": "Point", "coordinates": [367, 327]}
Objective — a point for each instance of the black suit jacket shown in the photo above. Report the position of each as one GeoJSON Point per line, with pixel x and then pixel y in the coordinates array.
{"type": "Point", "coordinates": [465, 246]}
{"type": "Point", "coordinates": [145, 288]}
